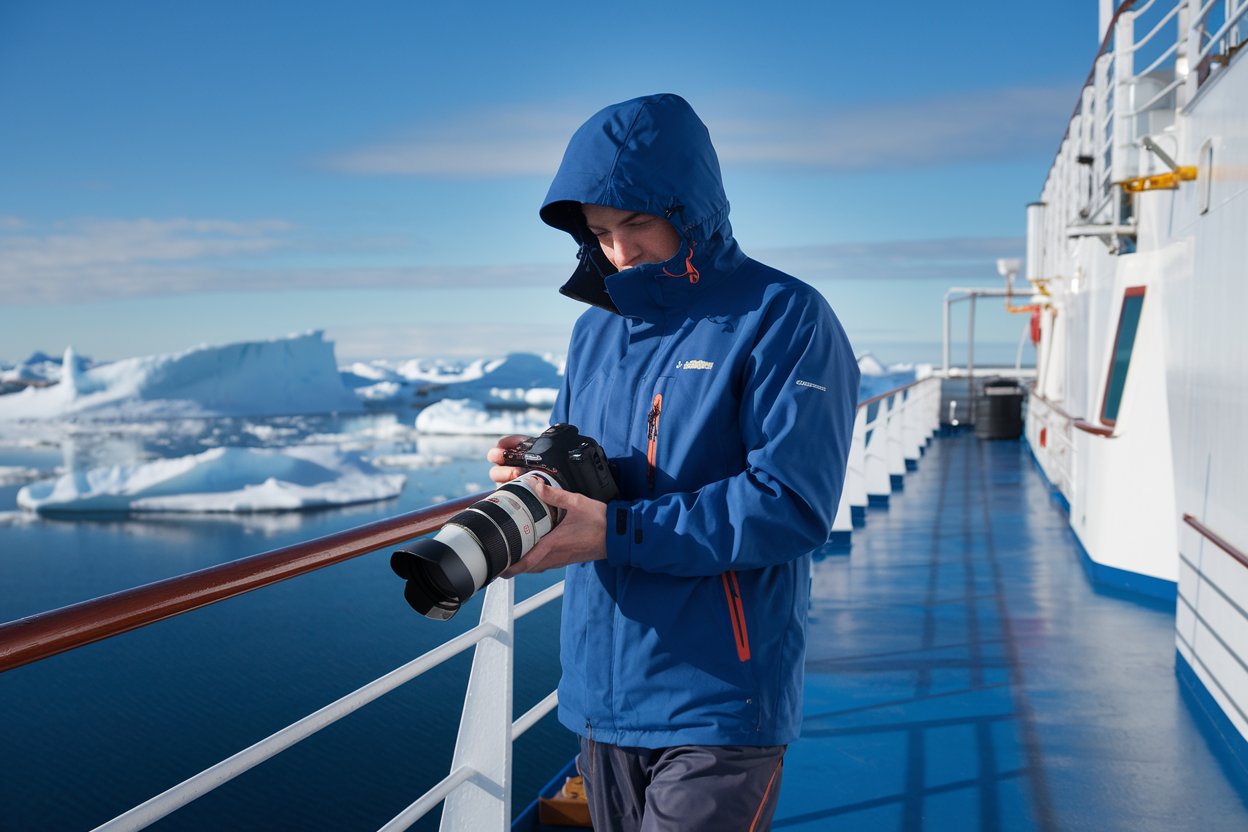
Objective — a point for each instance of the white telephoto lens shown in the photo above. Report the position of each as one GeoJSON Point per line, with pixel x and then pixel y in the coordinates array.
{"type": "Point", "coordinates": [470, 552]}
{"type": "Point", "coordinates": [526, 480]}
{"type": "Point", "coordinates": [520, 518]}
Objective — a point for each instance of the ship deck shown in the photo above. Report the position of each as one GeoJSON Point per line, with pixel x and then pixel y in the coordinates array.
{"type": "Point", "coordinates": [965, 673]}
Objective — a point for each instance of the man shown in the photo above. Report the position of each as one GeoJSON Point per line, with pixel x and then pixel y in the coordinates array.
{"type": "Point", "coordinates": [725, 392]}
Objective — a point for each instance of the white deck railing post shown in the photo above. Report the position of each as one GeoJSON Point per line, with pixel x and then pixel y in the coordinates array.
{"type": "Point", "coordinates": [878, 485]}
{"type": "Point", "coordinates": [856, 478]}
{"type": "Point", "coordinates": [854, 491]}
{"type": "Point", "coordinates": [912, 427]}
{"type": "Point", "coordinates": [484, 745]}
{"type": "Point", "coordinates": [895, 458]}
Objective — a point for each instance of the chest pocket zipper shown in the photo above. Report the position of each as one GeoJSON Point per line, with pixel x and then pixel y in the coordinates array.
{"type": "Point", "coordinates": [736, 611]}
{"type": "Point", "coordinates": [652, 437]}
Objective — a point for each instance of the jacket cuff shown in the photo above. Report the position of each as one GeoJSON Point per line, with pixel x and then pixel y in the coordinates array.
{"type": "Point", "coordinates": [620, 533]}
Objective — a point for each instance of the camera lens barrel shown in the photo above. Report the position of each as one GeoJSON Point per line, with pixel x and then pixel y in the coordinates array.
{"type": "Point", "coordinates": [491, 542]}
{"type": "Point", "coordinates": [474, 547]}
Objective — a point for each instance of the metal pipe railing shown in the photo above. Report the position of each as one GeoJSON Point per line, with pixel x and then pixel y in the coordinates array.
{"type": "Point", "coordinates": [905, 418]}
{"type": "Point", "coordinates": [1140, 42]}
{"type": "Point", "coordinates": [46, 634]}
{"type": "Point", "coordinates": [1220, 35]}
{"type": "Point", "coordinates": [1216, 539]}
{"type": "Point", "coordinates": [196, 786]}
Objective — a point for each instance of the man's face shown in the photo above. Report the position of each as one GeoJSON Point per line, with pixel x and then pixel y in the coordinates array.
{"type": "Point", "coordinates": [630, 238]}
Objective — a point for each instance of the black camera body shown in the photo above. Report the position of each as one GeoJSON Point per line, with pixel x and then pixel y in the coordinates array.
{"type": "Point", "coordinates": [478, 543]}
{"type": "Point", "coordinates": [577, 462]}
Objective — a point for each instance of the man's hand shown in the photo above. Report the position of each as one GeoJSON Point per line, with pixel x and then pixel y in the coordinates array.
{"type": "Point", "coordinates": [581, 536]}
{"type": "Point", "coordinates": [501, 473]}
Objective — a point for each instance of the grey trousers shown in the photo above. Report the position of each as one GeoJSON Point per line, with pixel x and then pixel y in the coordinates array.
{"type": "Point", "coordinates": [690, 788]}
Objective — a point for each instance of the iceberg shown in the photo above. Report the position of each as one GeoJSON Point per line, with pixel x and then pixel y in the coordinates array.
{"type": "Point", "coordinates": [16, 475]}
{"type": "Point", "coordinates": [520, 380]}
{"type": "Point", "coordinates": [295, 374]}
{"type": "Point", "coordinates": [39, 370]}
{"type": "Point", "coordinates": [219, 480]}
{"type": "Point", "coordinates": [869, 365]}
{"type": "Point", "coordinates": [470, 417]}
{"type": "Point", "coordinates": [877, 378]}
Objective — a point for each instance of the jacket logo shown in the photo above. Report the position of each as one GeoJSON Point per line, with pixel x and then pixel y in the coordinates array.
{"type": "Point", "coordinates": [694, 364]}
{"type": "Point", "coordinates": [801, 383]}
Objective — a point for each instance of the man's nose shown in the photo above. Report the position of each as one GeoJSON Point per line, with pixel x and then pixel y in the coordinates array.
{"type": "Point", "coordinates": [626, 251]}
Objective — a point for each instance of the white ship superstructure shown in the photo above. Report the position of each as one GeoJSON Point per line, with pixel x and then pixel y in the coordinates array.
{"type": "Point", "coordinates": [1136, 254]}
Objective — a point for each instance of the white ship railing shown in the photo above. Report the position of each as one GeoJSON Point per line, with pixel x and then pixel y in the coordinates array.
{"type": "Point", "coordinates": [482, 758]}
{"type": "Point", "coordinates": [1134, 91]}
{"type": "Point", "coordinates": [1229, 17]}
{"type": "Point", "coordinates": [477, 791]}
{"type": "Point", "coordinates": [1057, 451]}
{"type": "Point", "coordinates": [884, 446]}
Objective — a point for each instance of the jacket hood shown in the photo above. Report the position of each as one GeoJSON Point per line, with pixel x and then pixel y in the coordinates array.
{"type": "Point", "coordinates": [650, 154]}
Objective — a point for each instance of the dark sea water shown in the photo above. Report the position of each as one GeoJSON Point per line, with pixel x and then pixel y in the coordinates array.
{"type": "Point", "coordinates": [90, 733]}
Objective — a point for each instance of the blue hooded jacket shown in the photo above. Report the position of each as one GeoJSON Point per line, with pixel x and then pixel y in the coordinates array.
{"type": "Point", "coordinates": [725, 393]}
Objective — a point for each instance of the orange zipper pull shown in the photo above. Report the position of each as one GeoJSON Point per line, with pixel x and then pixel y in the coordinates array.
{"type": "Point", "coordinates": [652, 434]}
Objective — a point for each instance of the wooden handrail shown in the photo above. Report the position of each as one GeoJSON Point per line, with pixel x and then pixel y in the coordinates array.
{"type": "Point", "coordinates": [1095, 430]}
{"type": "Point", "coordinates": [48, 633]}
{"type": "Point", "coordinates": [1075, 421]}
{"type": "Point", "coordinates": [1056, 408]}
{"type": "Point", "coordinates": [1221, 542]}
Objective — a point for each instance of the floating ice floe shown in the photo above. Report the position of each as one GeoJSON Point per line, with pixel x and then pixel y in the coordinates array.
{"type": "Point", "coordinates": [15, 475]}
{"type": "Point", "coordinates": [519, 380]}
{"type": "Point", "coordinates": [409, 461]}
{"type": "Point", "coordinates": [39, 370]}
{"type": "Point", "coordinates": [219, 480]}
{"type": "Point", "coordinates": [466, 416]}
{"type": "Point", "coordinates": [297, 374]}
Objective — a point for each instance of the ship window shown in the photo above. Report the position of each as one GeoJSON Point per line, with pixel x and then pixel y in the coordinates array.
{"type": "Point", "coordinates": [1120, 359]}
{"type": "Point", "coordinates": [1204, 175]}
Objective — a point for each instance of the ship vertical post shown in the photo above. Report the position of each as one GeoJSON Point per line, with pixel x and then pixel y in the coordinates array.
{"type": "Point", "coordinates": [484, 742]}
{"type": "Point", "coordinates": [1124, 164]}
{"type": "Point", "coordinates": [878, 485]}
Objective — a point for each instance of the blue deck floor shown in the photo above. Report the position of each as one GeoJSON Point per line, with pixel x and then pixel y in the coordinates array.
{"type": "Point", "coordinates": [964, 674]}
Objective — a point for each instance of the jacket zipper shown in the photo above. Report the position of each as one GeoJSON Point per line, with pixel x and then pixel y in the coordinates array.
{"type": "Point", "coordinates": [652, 434]}
{"type": "Point", "coordinates": [736, 611]}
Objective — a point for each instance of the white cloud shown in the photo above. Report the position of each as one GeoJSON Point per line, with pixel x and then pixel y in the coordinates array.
{"type": "Point", "coordinates": [503, 142]}
{"type": "Point", "coordinates": [102, 259]}
{"type": "Point", "coordinates": [10, 223]}
{"type": "Point", "coordinates": [465, 339]}
{"type": "Point", "coordinates": [749, 130]}
{"type": "Point", "coordinates": [109, 259]}
{"type": "Point", "coordinates": [983, 125]}
{"type": "Point", "coordinates": [947, 261]}
{"type": "Point", "coordinates": [93, 259]}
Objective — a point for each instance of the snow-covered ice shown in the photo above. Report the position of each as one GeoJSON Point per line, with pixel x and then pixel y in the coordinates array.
{"type": "Point", "coordinates": [219, 480]}
{"type": "Point", "coordinates": [296, 374]}
{"type": "Point", "coordinates": [173, 433]}
{"type": "Point", "coordinates": [16, 474]}
{"type": "Point", "coordinates": [869, 365]}
{"type": "Point", "coordinates": [409, 461]}
{"type": "Point", "coordinates": [520, 380]}
{"type": "Point", "coordinates": [466, 416]}
{"type": "Point", "coordinates": [38, 370]}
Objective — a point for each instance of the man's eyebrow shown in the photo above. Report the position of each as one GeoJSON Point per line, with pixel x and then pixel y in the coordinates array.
{"type": "Point", "coordinates": [627, 219]}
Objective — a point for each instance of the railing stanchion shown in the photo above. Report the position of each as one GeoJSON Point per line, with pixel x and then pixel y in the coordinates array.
{"type": "Point", "coordinates": [484, 742]}
{"type": "Point", "coordinates": [895, 456]}
{"type": "Point", "coordinates": [878, 487]}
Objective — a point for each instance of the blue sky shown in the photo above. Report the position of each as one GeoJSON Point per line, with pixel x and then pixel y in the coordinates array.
{"type": "Point", "coordinates": [181, 173]}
